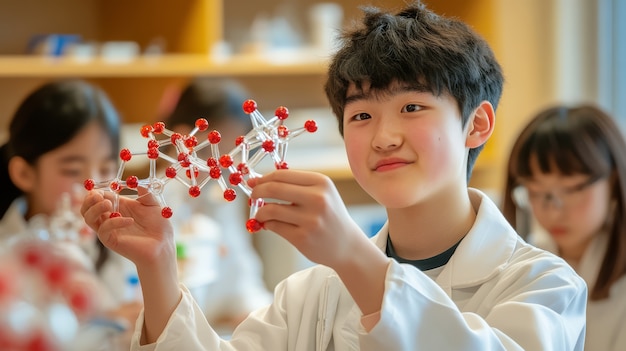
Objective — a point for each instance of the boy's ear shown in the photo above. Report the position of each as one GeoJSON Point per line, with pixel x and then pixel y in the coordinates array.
{"type": "Point", "coordinates": [22, 173]}
{"type": "Point", "coordinates": [480, 125]}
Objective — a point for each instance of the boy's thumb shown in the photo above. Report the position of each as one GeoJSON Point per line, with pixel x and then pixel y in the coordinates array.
{"type": "Point", "coordinates": [146, 197]}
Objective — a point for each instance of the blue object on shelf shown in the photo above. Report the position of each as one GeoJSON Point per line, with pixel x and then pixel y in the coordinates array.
{"type": "Point", "coordinates": [52, 44]}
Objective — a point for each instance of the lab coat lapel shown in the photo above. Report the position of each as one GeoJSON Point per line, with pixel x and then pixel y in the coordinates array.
{"type": "Point", "coordinates": [486, 248]}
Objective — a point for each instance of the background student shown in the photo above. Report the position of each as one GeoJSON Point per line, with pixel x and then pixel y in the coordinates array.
{"type": "Point", "coordinates": [61, 134]}
{"type": "Point", "coordinates": [415, 96]}
{"type": "Point", "coordinates": [238, 287]}
{"type": "Point", "coordinates": [567, 172]}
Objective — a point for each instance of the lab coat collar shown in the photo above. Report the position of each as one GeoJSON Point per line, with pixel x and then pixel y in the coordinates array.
{"type": "Point", "coordinates": [484, 251]}
{"type": "Point", "coordinates": [590, 263]}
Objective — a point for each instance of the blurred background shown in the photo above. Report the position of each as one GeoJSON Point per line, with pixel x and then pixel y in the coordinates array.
{"type": "Point", "coordinates": [140, 51]}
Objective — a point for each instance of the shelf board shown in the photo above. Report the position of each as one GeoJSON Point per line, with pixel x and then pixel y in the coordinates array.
{"type": "Point", "coordinates": [24, 66]}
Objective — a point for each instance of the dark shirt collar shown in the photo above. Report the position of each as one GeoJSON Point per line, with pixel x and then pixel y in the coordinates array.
{"type": "Point", "coordinates": [427, 263]}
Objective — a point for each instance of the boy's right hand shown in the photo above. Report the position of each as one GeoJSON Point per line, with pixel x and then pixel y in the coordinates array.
{"type": "Point", "coordinates": [142, 235]}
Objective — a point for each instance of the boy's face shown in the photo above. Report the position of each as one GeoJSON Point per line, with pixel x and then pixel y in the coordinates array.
{"type": "Point", "coordinates": [404, 145]}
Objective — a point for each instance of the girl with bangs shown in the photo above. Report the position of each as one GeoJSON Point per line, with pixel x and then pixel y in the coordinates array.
{"type": "Point", "coordinates": [565, 192]}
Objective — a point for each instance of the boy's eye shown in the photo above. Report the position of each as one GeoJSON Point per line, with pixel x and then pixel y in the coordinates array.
{"type": "Point", "coordinates": [410, 108]}
{"type": "Point", "coordinates": [361, 116]}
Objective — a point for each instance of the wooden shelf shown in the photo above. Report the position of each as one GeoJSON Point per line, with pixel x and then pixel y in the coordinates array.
{"type": "Point", "coordinates": [23, 66]}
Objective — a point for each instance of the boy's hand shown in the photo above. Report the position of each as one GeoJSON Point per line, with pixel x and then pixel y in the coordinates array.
{"type": "Point", "coordinates": [314, 218]}
{"type": "Point", "coordinates": [142, 235]}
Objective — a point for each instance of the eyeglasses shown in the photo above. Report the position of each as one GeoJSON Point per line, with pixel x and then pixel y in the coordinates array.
{"type": "Point", "coordinates": [563, 198]}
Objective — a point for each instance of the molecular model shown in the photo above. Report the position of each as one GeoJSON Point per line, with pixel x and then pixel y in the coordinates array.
{"type": "Point", "coordinates": [267, 138]}
{"type": "Point", "coordinates": [46, 296]}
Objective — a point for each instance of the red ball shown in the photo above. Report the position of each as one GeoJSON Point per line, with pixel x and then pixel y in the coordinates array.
{"type": "Point", "coordinates": [125, 155]}
{"type": "Point", "coordinates": [146, 130]}
{"type": "Point", "coordinates": [115, 186]}
{"type": "Point", "coordinates": [202, 124]}
{"type": "Point", "coordinates": [132, 182]}
{"type": "Point", "coordinates": [226, 161]}
{"type": "Point", "coordinates": [215, 172]}
{"type": "Point", "coordinates": [268, 146]}
{"type": "Point", "coordinates": [158, 127]}
{"type": "Point", "coordinates": [166, 212]}
{"type": "Point", "coordinates": [282, 131]}
{"type": "Point", "coordinates": [230, 194]}
{"type": "Point", "coordinates": [183, 159]}
{"type": "Point", "coordinates": [253, 226]}
{"type": "Point", "coordinates": [240, 139]}
{"type": "Point", "coordinates": [170, 172]}
{"type": "Point", "coordinates": [153, 153]}
{"type": "Point", "coordinates": [175, 137]}
{"type": "Point", "coordinates": [211, 162]}
{"type": "Point", "coordinates": [310, 126]}
{"type": "Point", "coordinates": [196, 172]}
{"type": "Point", "coordinates": [235, 178]}
{"type": "Point", "coordinates": [214, 137]}
{"type": "Point", "coordinates": [282, 113]}
{"type": "Point", "coordinates": [281, 165]}
{"type": "Point", "coordinates": [194, 191]}
{"type": "Point", "coordinates": [249, 106]}
{"type": "Point", "coordinates": [191, 141]}
{"type": "Point", "coordinates": [89, 184]}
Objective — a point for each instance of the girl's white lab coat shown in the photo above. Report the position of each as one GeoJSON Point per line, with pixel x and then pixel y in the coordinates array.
{"type": "Point", "coordinates": [495, 293]}
{"type": "Point", "coordinates": [606, 319]}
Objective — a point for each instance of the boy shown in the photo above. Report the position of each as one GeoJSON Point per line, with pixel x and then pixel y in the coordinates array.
{"type": "Point", "coordinates": [415, 95]}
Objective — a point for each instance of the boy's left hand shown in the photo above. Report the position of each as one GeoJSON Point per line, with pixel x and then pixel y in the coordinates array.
{"type": "Point", "coordinates": [311, 215]}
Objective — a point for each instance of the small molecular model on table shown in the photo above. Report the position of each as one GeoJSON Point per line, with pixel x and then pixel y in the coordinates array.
{"type": "Point", "coordinates": [46, 296]}
{"type": "Point", "coordinates": [267, 138]}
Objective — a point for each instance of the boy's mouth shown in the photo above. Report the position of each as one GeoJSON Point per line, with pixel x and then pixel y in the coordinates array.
{"type": "Point", "coordinates": [390, 164]}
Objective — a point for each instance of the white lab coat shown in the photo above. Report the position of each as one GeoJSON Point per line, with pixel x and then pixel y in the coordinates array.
{"type": "Point", "coordinates": [495, 293]}
{"type": "Point", "coordinates": [606, 319]}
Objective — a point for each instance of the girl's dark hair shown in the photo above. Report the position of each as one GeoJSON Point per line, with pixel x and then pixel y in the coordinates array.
{"type": "Point", "coordinates": [50, 117]}
{"type": "Point", "coordinates": [421, 49]}
{"type": "Point", "coordinates": [577, 140]}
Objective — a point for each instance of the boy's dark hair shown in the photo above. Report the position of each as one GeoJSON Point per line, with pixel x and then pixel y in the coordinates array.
{"type": "Point", "coordinates": [577, 140]}
{"type": "Point", "coordinates": [419, 48]}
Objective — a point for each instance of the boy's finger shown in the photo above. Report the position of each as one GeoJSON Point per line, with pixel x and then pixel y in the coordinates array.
{"type": "Point", "coordinates": [284, 193]}
{"type": "Point", "coordinates": [295, 177]}
{"type": "Point", "coordinates": [146, 198]}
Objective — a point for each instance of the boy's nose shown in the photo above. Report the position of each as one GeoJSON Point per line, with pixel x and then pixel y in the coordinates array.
{"type": "Point", "coordinates": [386, 136]}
